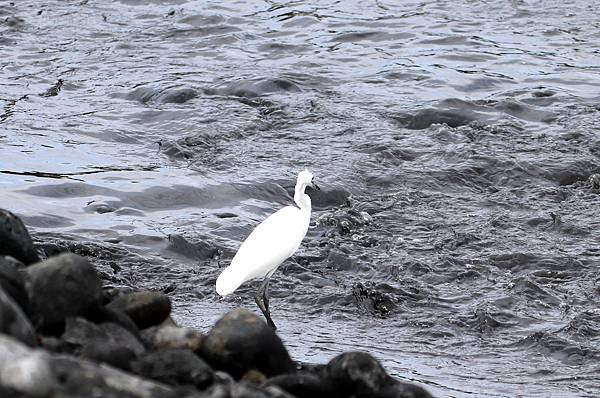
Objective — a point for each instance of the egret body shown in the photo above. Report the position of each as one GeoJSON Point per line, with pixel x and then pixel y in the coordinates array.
{"type": "Point", "coordinates": [270, 244]}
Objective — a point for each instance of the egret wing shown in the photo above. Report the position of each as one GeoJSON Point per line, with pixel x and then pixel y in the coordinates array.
{"type": "Point", "coordinates": [270, 243]}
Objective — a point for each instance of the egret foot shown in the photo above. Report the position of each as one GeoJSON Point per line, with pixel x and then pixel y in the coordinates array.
{"type": "Point", "coordinates": [262, 300]}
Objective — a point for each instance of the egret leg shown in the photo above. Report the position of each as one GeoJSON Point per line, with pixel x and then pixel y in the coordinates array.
{"type": "Point", "coordinates": [262, 300]}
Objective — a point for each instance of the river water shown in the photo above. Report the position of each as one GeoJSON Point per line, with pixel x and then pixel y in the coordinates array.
{"type": "Point", "coordinates": [455, 236]}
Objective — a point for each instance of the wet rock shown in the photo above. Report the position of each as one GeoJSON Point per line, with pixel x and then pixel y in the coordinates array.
{"type": "Point", "coordinates": [62, 286]}
{"type": "Point", "coordinates": [13, 321]}
{"type": "Point", "coordinates": [241, 341]}
{"type": "Point", "coordinates": [81, 378]}
{"type": "Point", "coordinates": [13, 283]}
{"type": "Point", "coordinates": [341, 261]}
{"type": "Point", "coordinates": [144, 308]}
{"type": "Point", "coordinates": [326, 199]}
{"type": "Point", "coordinates": [80, 332]}
{"type": "Point", "coordinates": [302, 385]}
{"type": "Point", "coordinates": [175, 367]}
{"type": "Point", "coordinates": [369, 298]}
{"type": "Point", "coordinates": [25, 370]}
{"type": "Point", "coordinates": [15, 238]}
{"type": "Point", "coordinates": [200, 250]}
{"type": "Point", "coordinates": [426, 117]}
{"type": "Point", "coordinates": [345, 220]}
{"type": "Point", "coordinates": [254, 88]}
{"type": "Point", "coordinates": [175, 95]}
{"type": "Point", "coordinates": [358, 374]}
{"type": "Point", "coordinates": [169, 336]}
{"type": "Point", "coordinates": [397, 389]}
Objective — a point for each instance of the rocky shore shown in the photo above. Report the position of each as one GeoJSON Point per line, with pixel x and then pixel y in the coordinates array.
{"type": "Point", "coordinates": [63, 335]}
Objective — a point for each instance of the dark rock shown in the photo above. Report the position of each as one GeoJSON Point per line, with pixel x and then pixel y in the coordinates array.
{"type": "Point", "coordinates": [13, 283]}
{"type": "Point", "coordinates": [109, 352]}
{"type": "Point", "coordinates": [199, 250]}
{"type": "Point", "coordinates": [101, 314]}
{"type": "Point", "coordinates": [25, 370]}
{"type": "Point", "coordinates": [168, 336]}
{"type": "Point", "coordinates": [15, 238]}
{"type": "Point", "coordinates": [10, 393]}
{"type": "Point", "coordinates": [54, 344]}
{"type": "Point", "coordinates": [62, 286]}
{"type": "Point", "coordinates": [358, 374]}
{"type": "Point", "coordinates": [13, 321]}
{"type": "Point", "coordinates": [404, 390]}
{"type": "Point", "coordinates": [144, 308]}
{"type": "Point", "coordinates": [369, 298]}
{"type": "Point", "coordinates": [246, 390]}
{"type": "Point", "coordinates": [82, 378]}
{"type": "Point", "coordinates": [241, 341]}
{"type": "Point", "coordinates": [326, 199]}
{"type": "Point", "coordinates": [302, 385]}
{"type": "Point", "coordinates": [175, 367]}
{"type": "Point", "coordinates": [80, 332]}
{"type": "Point", "coordinates": [253, 376]}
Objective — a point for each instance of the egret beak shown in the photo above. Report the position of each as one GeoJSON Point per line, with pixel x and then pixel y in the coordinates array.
{"type": "Point", "coordinates": [314, 186]}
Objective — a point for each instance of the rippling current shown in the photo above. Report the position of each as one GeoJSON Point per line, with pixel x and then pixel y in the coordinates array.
{"type": "Point", "coordinates": [455, 142]}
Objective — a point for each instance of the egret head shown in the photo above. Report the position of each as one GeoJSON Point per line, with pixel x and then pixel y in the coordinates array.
{"type": "Point", "coordinates": [305, 178]}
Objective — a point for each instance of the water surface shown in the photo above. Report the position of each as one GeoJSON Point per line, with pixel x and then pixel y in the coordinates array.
{"type": "Point", "coordinates": [455, 237]}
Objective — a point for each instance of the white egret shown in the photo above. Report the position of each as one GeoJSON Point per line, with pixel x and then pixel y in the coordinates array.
{"type": "Point", "coordinates": [270, 244]}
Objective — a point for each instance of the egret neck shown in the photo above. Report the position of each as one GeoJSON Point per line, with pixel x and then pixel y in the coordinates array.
{"type": "Point", "coordinates": [302, 199]}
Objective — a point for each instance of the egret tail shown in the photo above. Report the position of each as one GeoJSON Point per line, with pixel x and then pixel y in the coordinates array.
{"type": "Point", "coordinates": [228, 281]}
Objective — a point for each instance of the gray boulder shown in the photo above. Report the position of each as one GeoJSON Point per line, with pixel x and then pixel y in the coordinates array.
{"type": "Point", "coordinates": [15, 239]}
{"type": "Point", "coordinates": [360, 375]}
{"type": "Point", "coordinates": [111, 353]}
{"type": "Point", "coordinates": [241, 341]}
{"type": "Point", "coordinates": [12, 281]}
{"type": "Point", "coordinates": [13, 321]}
{"type": "Point", "coordinates": [175, 367]}
{"type": "Point", "coordinates": [80, 332]}
{"type": "Point", "coordinates": [144, 308]}
{"type": "Point", "coordinates": [82, 378]}
{"type": "Point", "coordinates": [170, 336]}
{"type": "Point", "coordinates": [25, 370]}
{"type": "Point", "coordinates": [62, 286]}
{"type": "Point", "coordinates": [302, 385]}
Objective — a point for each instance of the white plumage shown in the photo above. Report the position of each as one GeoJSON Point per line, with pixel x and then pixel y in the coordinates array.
{"type": "Point", "coordinates": [270, 244]}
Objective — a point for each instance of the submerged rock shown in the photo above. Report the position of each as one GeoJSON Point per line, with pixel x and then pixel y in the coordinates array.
{"type": "Point", "coordinates": [25, 370]}
{"type": "Point", "coordinates": [15, 238]}
{"type": "Point", "coordinates": [62, 286]}
{"type": "Point", "coordinates": [241, 341]}
{"type": "Point", "coordinates": [175, 367]}
{"type": "Point", "coordinates": [144, 308]}
{"type": "Point", "coordinates": [13, 321]}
